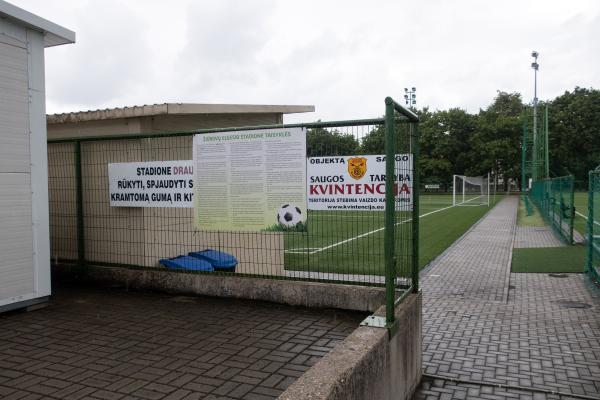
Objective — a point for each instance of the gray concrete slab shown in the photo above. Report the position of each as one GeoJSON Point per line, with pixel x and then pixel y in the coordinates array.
{"type": "Point", "coordinates": [479, 344]}
{"type": "Point", "coordinates": [93, 343]}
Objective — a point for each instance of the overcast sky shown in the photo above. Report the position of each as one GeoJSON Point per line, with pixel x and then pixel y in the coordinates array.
{"type": "Point", "coordinates": [344, 57]}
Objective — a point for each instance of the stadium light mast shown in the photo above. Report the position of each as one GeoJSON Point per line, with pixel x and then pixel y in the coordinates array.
{"type": "Point", "coordinates": [410, 97]}
{"type": "Point", "coordinates": [535, 67]}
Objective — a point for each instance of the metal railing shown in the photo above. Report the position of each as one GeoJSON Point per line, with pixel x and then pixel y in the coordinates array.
{"type": "Point", "coordinates": [361, 247]}
{"type": "Point", "coordinates": [555, 199]}
{"type": "Point", "coordinates": [592, 266]}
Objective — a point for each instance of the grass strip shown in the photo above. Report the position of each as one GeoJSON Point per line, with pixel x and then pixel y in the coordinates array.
{"type": "Point", "coordinates": [534, 219]}
{"type": "Point", "coordinates": [567, 259]}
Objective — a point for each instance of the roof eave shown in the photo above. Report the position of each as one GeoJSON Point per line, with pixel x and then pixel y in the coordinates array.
{"type": "Point", "coordinates": [194, 108]}
{"type": "Point", "coordinates": [175, 109]}
{"type": "Point", "coordinates": [54, 34]}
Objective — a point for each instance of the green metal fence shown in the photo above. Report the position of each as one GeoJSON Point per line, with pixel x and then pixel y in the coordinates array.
{"type": "Point", "coordinates": [535, 162]}
{"type": "Point", "coordinates": [352, 246]}
{"type": "Point", "coordinates": [555, 200]}
{"type": "Point", "coordinates": [593, 226]}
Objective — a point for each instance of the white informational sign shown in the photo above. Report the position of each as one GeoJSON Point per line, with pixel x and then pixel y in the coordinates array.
{"type": "Point", "coordinates": [151, 184]}
{"type": "Point", "coordinates": [356, 183]}
{"type": "Point", "coordinates": [250, 180]}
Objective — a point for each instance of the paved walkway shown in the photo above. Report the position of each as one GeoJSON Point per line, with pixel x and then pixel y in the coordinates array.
{"type": "Point", "coordinates": [490, 334]}
{"type": "Point", "coordinates": [109, 344]}
{"type": "Point", "coordinates": [536, 236]}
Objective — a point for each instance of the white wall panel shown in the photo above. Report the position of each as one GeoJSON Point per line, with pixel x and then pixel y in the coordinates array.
{"type": "Point", "coordinates": [14, 110]}
{"type": "Point", "coordinates": [17, 268]}
{"type": "Point", "coordinates": [24, 231]}
{"type": "Point", "coordinates": [16, 248]}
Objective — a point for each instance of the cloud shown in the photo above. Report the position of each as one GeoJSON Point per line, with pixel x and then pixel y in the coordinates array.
{"type": "Point", "coordinates": [109, 59]}
{"type": "Point", "coordinates": [218, 61]}
{"type": "Point", "coordinates": [343, 59]}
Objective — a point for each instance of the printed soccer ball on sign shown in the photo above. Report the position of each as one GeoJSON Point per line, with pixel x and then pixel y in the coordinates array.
{"type": "Point", "coordinates": [289, 216]}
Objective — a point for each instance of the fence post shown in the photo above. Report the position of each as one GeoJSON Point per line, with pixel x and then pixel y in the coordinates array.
{"type": "Point", "coordinates": [79, 203]}
{"type": "Point", "coordinates": [390, 211]}
{"type": "Point", "coordinates": [590, 222]}
{"type": "Point", "coordinates": [523, 158]}
{"type": "Point", "coordinates": [415, 212]}
{"type": "Point", "coordinates": [561, 207]}
{"type": "Point", "coordinates": [572, 210]}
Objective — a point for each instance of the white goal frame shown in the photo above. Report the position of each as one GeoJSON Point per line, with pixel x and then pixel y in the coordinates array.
{"type": "Point", "coordinates": [462, 201]}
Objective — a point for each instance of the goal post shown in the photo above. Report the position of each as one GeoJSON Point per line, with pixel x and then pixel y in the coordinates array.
{"type": "Point", "coordinates": [471, 190]}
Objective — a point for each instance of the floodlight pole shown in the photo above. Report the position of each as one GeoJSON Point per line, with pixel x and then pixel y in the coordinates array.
{"type": "Point", "coordinates": [546, 156]}
{"type": "Point", "coordinates": [535, 67]}
{"type": "Point", "coordinates": [410, 97]}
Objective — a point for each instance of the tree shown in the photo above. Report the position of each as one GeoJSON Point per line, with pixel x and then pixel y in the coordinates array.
{"type": "Point", "coordinates": [456, 142]}
{"type": "Point", "coordinates": [496, 145]}
{"type": "Point", "coordinates": [446, 144]}
{"type": "Point", "coordinates": [574, 139]}
{"type": "Point", "coordinates": [374, 141]}
{"type": "Point", "coordinates": [323, 142]}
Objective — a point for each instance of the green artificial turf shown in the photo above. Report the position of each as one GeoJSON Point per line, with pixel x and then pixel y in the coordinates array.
{"type": "Point", "coordinates": [581, 206]}
{"type": "Point", "coordinates": [353, 242]}
{"type": "Point", "coordinates": [549, 259]}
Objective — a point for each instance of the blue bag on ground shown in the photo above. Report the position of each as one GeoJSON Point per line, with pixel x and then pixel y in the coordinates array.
{"type": "Point", "coordinates": [187, 262]}
{"type": "Point", "coordinates": [220, 260]}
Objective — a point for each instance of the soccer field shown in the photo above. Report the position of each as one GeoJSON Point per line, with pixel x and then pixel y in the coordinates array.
{"type": "Point", "coordinates": [350, 242]}
{"type": "Point", "coordinates": [581, 209]}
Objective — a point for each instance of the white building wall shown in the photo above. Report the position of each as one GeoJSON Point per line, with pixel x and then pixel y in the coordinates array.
{"type": "Point", "coordinates": [24, 243]}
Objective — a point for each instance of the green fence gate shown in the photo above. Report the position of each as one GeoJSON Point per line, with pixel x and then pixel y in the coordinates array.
{"type": "Point", "coordinates": [554, 198]}
{"type": "Point", "coordinates": [593, 226]}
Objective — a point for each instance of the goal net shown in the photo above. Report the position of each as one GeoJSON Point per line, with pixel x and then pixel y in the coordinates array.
{"type": "Point", "coordinates": [471, 190]}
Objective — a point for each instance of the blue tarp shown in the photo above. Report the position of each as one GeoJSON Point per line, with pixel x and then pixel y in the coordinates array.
{"type": "Point", "coordinates": [187, 262]}
{"type": "Point", "coordinates": [220, 261]}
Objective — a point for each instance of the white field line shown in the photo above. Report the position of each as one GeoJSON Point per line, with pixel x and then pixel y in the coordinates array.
{"type": "Point", "coordinates": [374, 231]}
{"type": "Point", "coordinates": [464, 203]}
{"type": "Point", "coordinates": [349, 216]}
{"type": "Point", "coordinates": [301, 250]}
{"type": "Point", "coordinates": [586, 218]}
{"type": "Point", "coordinates": [326, 215]}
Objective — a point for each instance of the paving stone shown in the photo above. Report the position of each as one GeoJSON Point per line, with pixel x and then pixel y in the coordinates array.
{"type": "Point", "coordinates": [241, 390]}
{"type": "Point", "coordinates": [482, 323]}
{"type": "Point", "coordinates": [536, 236]}
{"type": "Point", "coordinates": [95, 343]}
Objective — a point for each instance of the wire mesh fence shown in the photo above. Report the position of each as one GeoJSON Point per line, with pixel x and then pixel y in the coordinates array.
{"type": "Point", "coordinates": [535, 164]}
{"type": "Point", "coordinates": [351, 233]}
{"type": "Point", "coordinates": [593, 226]}
{"type": "Point", "coordinates": [555, 199]}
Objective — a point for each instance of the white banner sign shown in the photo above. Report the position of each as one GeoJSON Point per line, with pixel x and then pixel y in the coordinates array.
{"type": "Point", "coordinates": [356, 183]}
{"type": "Point", "coordinates": [151, 184]}
{"type": "Point", "coordinates": [251, 180]}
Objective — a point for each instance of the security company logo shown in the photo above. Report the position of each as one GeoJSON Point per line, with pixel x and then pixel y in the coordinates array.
{"type": "Point", "coordinates": [357, 167]}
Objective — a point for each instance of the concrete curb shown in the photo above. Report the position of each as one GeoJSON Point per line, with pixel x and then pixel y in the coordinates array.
{"type": "Point", "coordinates": [295, 293]}
{"type": "Point", "coordinates": [369, 364]}
{"type": "Point", "coordinates": [509, 264]}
